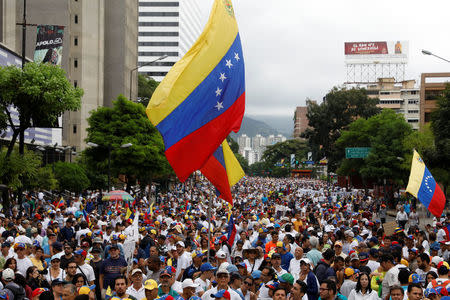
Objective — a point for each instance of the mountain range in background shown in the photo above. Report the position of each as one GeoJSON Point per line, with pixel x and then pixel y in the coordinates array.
{"type": "Point", "coordinates": [265, 125]}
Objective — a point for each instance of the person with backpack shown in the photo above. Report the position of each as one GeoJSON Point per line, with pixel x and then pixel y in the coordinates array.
{"type": "Point", "coordinates": [14, 291]}
{"type": "Point", "coordinates": [323, 270]}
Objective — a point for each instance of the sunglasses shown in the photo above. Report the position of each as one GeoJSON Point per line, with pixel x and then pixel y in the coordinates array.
{"type": "Point", "coordinates": [248, 283]}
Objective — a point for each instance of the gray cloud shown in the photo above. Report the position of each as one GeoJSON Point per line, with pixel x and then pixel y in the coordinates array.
{"type": "Point", "coordinates": [293, 49]}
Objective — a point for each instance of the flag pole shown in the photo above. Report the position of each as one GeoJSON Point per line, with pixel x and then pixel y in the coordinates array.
{"type": "Point", "coordinates": [209, 225]}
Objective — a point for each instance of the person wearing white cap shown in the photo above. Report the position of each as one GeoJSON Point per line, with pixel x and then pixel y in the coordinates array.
{"type": "Point", "coordinates": [222, 278]}
{"type": "Point", "coordinates": [189, 288]}
{"type": "Point", "coordinates": [136, 290]}
{"type": "Point", "coordinates": [184, 260]}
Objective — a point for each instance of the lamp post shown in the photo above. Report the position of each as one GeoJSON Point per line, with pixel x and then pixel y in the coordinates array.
{"type": "Point", "coordinates": [426, 52]}
{"type": "Point", "coordinates": [94, 145]}
{"type": "Point", "coordinates": [146, 64]}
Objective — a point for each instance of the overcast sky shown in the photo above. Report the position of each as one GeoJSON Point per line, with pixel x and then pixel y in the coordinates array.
{"type": "Point", "coordinates": [294, 49]}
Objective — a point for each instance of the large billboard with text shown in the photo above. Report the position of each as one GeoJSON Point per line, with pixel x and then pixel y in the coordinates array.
{"type": "Point", "coordinates": [376, 52]}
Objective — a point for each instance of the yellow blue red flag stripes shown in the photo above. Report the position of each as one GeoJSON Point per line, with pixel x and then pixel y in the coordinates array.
{"type": "Point", "coordinates": [202, 98]}
{"type": "Point", "coordinates": [423, 186]}
{"type": "Point", "coordinates": [223, 170]}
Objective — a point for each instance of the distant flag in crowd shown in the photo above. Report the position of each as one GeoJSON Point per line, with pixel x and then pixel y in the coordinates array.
{"type": "Point", "coordinates": [129, 214]}
{"type": "Point", "coordinates": [231, 230]}
{"type": "Point", "coordinates": [60, 203]}
{"type": "Point", "coordinates": [202, 98]}
{"type": "Point", "coordinates": [223, 170]}
{"type": "Point", "coordinates": [86, 217]}
{"type": "Point", "coordinates": [108, 294]}
{"type": "Point", "coordinates": [423, 186]}
{"type": "Point", "coordinates": [447, 231]}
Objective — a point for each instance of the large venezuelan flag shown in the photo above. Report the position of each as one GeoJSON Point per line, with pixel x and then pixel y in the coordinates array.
{"type": "Point", "coordinates": [202, 98]}
{"type": "Point", "coordinates": [223, 170]}
{"type": "Point", "coordinates": [423, 186]}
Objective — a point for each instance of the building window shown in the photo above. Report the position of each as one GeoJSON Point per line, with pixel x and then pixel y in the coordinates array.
{"type": "Point", "coordinates": [75, 19]}
{"type": "Point", "coordinates": [414, 92]}
{"type": "Point", "coordinates": [158, 14]}
{"type": "Point", "coordinates": [157, 54]}
{"type": "Point", "coordinates": [432, 95]}
{"type": "Point", "coordinates": [75, 63]}
{"type": "Point", "coordinates": [427, 117]}
{"type": "Point", "coordinates": [413, 120]}
{"type": "Point", "coordinates": [75, 83]}
{"type": "Point", "coordinates": [391, 101]}
{"type": "Point", "coordinates": [413, 111]}
{"type": "Point", "coordinates": [75, 41]}
{"type": "Point", "coordinates": [163, 24]}
{"type": "Point", "coordinates": [413, 101]}
{"type": "Point", "coordinates": [385, 93]}
{"type": "Point", "coordinates": [74, 129]}
{"type": "Point", "coordinates": [149, 33]}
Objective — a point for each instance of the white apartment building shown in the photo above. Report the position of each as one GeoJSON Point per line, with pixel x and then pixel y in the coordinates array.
{"type": "Point", "coordinates": [244, 142]}
{"type": "Point", "coordinates": [403, 98]}
{"type": "Point", "coordinates": [166, 27]}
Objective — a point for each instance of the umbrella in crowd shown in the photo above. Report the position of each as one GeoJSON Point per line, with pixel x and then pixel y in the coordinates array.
{"type": "Point", "coordinates": [117, 196]}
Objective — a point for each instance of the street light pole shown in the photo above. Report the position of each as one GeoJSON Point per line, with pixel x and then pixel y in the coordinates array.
{"type": "Point", "coordinates": [426, 52]}
{"type": "Point", "coordinates": [146, 64]}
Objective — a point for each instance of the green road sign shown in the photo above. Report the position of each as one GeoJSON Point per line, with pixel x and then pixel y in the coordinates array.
{"type": "Point", "coordinates": [359, 152]}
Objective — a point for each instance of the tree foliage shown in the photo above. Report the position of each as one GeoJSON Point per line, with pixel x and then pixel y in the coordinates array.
{"type": "Point", "coordinates": [283, 150]}
{"type": "Point", "coordinates": [71, 176]}
{"type": "Point", "coordinates": [39, 92]}
{"type": "Point", "coordinates": [385, 134]}
{"type": "Point", "coordinates": [146, 87]}
{"type": "Point", "coordinates": [440, 125]}
{"type": "Point", "coordinates": [327, 120]}
{"type": "Point", "coordinates": [19, 171]}
{"type": "Point", "coordinates": [126, 122]}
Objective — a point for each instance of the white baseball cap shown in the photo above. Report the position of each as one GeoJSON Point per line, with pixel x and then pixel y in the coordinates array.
{"type": "Point", "coordinates": [188, 283]}
{"type": "Point", "coordinates": [221, 254]}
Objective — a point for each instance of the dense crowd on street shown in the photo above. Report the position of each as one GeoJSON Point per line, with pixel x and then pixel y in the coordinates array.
{"type": "Point", "coordinates": [281, 239]}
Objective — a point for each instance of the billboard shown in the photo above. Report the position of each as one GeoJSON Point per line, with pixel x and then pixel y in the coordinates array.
{"type": "Point", "coordinates": [376, 52]}
{"type": "Point", "coordinates": [49, 44]}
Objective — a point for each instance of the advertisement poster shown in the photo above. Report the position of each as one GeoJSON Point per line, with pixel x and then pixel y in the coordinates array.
{"type": "Point", "coordinates": [49, 44]}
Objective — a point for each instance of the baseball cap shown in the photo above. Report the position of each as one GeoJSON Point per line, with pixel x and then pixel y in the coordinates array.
{"type": "Point", "coordinates": [86, 289]}
{"type": "Point", "coordinates": [222, 270]}
{"type": "Point", "coordinates": [136, 271]}
{"type": "Point", "coordinates": [8, 274]}
{"type": "Point", "coordinates": [435, 246]}
{"type": "Point", "coordinates": [279, 244]}
{"type": "Point", "coordinates": [429, 291]}
{"type": "Point", "coordinates": [306, 261]}
{"type": "Point", "coordinates": [354, 256]}
{"type": "Point", "coordinates": [338, 243]}
{"type": "Point", "coordinates": [286, 277]}
{"type": "Point", "coordinates": [443, 264]}
{"type": "Point", "coordinates": [256, 274]}
{"type": "Point", "coordinates": [180, 243]}
{"type": "Point", "coordinates": [221, 254]}
{"type": "Point", "coordinates": [38, 291]}
{"type": "Point", "coordinates": [188, 283]}
{"type": "Point", "coordinates": [57, 281]}
{"type": "Point", "coordinates": [150, 284]}
{"type": "Point", "coordinates": [222, 294]}
{"type": "Point", "coordinates": [197, 253]}
{"type": "Point", "coordinates": [165, 272]}
{"type": "Point", "coordinates": [275, 256]}
{"type": "Point", "coordinates": [350, 271]}
{"type": "Point", "coordinates": [80, 252]}
{"type": "Point", "coordinates": [56, 256]}
{"type": "Point", "coordinates": [414, 278]}
{"type": "Point", "coordinates": [363, 256]}
{"type": "Point", "coordinates": [206, 267]}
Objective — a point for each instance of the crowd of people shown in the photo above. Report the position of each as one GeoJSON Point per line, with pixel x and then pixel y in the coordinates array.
{"type": "Point", "coordinates": [282, 239]}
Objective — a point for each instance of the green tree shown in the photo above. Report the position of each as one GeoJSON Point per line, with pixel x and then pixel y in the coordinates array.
{"type": "Point", "coordinates": [327, 120]}
{"type": "Point", "coordinates": [440, 125]}
{"type": "Point", "coordinates": [126, 122]}
{"type": "Point", "coordinates": [71, 176]}
{"type": "Point", "coordinates": [385, 133]}
{"type": "Point", "coordinates": [283, 150]}
{"type": "Point", "coordinates": [146, 87]}
{"type": "Point", "coordinates": [19, 171]}
{"type": "Point", "coordinates": [45, 179]}
{"type": "Point", "coordinates": [40, 93]}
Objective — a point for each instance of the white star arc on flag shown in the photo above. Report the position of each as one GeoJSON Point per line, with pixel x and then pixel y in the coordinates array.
{"type": "Point", "coordinates": [218, 92]}
{"type": "Point", "coordinates": [229, 64]}
{"type": "Point", "coordinates": [219, 105]}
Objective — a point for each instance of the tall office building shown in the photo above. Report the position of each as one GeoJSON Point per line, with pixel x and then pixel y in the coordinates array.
{"type": "Point", "coordinates": [166, 27]}
{"type": "Point", "coordinates": [99, 50]}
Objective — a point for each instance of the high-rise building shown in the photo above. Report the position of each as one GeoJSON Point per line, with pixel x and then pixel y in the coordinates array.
{"type": "Point", "coordinates": [99, 49]}
{"type": "Point", "coordinates": [244, 142]}
{"type": "Point", "coordinates": [301, 120]}
{"type": "Point", "coordinates": [273, 139]}
{"type": "Point", "coordinates": [431, 87]}
{"type": "Point", "coordinates": [402, 97]}
{"type": "Point", "coordinates": [166, 27]}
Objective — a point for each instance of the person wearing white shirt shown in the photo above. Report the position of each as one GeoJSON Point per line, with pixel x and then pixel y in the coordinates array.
{"type": "Point", "coordinates": [294, 265]}
{"type": "Point", "coordinates": [23, 262]}
{"type": "Point", "coordinates": [184, 260]}
{"type": "Point", "coordinates": [223, 277]}
{"type": "Point", "coordinates": [82, 267]}
{"type": "Point", "coordinates": [137, 289]}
